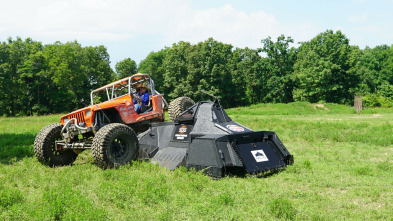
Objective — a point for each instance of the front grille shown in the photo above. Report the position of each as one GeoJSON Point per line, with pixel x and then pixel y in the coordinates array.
{"type": "Point", "coordinates": [79, 116]}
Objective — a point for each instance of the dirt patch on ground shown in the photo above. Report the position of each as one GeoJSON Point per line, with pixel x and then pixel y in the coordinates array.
{"type": "Point", "coordinates": [334, 191]}
{"type": "Point", "coordinates": [369, 116]}
{"type": "Point", "coordinates": [319, 106]}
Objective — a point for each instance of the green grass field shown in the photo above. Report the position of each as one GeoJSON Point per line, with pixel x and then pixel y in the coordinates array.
{"type": "Point", "coordinates": [343, 170]}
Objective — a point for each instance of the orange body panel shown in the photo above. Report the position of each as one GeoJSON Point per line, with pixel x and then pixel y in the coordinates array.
{"type": "Point", "coordinates": [124, 106]}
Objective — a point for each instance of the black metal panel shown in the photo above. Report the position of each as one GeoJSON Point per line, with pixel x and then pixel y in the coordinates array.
{"type": "Point", "coordinates": [203, 152]}
{"type": "Point", "coordinates": [259, 157]}
{"type": "Point", "coordinates": [149, 137]}
{"type": "Point", "coordinates": [164, 134]}
{"type": "Point", "coordinates": [288, 158]}
{"type": "Point", "coordinates": [228, 154]}
{"type": "Point", "coordinates": [170, 157]}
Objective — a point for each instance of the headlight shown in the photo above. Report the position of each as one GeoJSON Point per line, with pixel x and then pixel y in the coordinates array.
{"type": "Point", "coordinates": [88, 113]}
{"type": "Point", "coordinates": [65, 120]}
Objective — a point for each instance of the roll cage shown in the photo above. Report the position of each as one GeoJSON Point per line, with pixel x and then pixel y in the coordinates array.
{"type": "Point", "coordinates": [125, 86]}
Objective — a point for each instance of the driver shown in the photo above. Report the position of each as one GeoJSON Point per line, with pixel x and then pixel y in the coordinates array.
{"type": "Point", "coordinates": [141, 98]}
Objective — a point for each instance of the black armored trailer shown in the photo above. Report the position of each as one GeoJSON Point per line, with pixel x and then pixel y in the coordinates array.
{"type": "Point", "coordinates": [204, 137]}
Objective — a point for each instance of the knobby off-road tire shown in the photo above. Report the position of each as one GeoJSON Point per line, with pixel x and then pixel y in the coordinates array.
{"type": "Point", "coordinates": [114, 145]}
{"type": "Point", "coordinates": [44, 147]}
{"type": "Point", "coordinates": [177, 106]}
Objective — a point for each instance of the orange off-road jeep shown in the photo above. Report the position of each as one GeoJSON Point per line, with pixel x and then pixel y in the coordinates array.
{"type": "Point", "coordinates": [108, 126]}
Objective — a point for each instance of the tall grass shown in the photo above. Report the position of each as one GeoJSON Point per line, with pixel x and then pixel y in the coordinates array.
{"type": "Point", "coordinates": [343, 170]}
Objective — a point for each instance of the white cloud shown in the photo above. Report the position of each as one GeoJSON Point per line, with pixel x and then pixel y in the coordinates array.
{"type": "Point", "coordinates": [224, 24]}
{"type": "Point", "coordinates": [117, 20]}
{"type": "Point", "coordinates": [85, 19]}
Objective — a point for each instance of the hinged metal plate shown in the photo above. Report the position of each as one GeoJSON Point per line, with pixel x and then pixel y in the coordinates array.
{"type": "Point", "coordinates": [170, 157]}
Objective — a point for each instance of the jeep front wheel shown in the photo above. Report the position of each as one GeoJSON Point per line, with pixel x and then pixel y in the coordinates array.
{"type": "Point", "coordinates": [114, 145]}
{"type": "Point", "coordinates": [44, 147]}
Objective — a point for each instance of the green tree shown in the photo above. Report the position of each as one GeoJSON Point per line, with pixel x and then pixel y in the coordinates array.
{"type": "Point", "coordinates": [125, 68]}
{"type": "Point", "coordinates": [382, 72]}
{"type": "Point", "coordinates": [376, 74]}
{"type": "Point", "coordinates": [66, 72]}
{"type": "Point", "coordinates": [246, 77]}
{"type": "Point", "coordinates": [368, 71]}
{"type": "Point", "coordinates": [36, 78]}
{"type": "Point", "coordinates": [4, 67]}
{"type": "Point", "coordinates": [276, 70]}
{"type": "Point", "coordinates": [96, 67]}
{"type": "Point", "coordinates": [33, 80]}
{"type": "Point", "coordinates": [209, 70]}
{"type": "Point", "coordinates": [326, 69]}
{"type": "Point", "coordinates": [74, 72]}
{"type": "Point", "coordinates": [176, 72]}
{"type": "Point", "coordinates": [204, 66]}
{"type": "Point", "coordinates": [153, 65]}
{"type": "Point", "coordinates": [13, 54]}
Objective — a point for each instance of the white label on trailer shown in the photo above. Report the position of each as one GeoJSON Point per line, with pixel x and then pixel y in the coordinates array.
{"type": "Point", "coordinates": [259, 155]}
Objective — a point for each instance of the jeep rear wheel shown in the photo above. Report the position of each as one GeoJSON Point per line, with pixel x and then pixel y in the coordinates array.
{"type": "Point", "coordinates": [114, 145]}
{"type": "Point", "coordinates": [177, 106]}
{"type": "Point", "coordinates": [44, 147]}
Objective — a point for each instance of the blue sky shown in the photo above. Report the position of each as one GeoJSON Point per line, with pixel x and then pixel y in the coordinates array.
{"type": "Point", "coordinates": [133, 29]}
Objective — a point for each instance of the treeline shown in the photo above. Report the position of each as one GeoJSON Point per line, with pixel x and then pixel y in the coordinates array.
{"type": "Point", "coordinates": [40, 79]}
{"type": "Point", "coordinates": [53, 78]}
{"type": "Point", "coordinates": [325, 69]}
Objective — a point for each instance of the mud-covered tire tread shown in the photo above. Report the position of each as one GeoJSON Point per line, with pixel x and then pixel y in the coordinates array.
{"type": "Point", "coordinates": [177, 106]}
{"type": "Point", "coordinates": [42, 145]}
{"type": "Point", "coordinates": [102, 140]}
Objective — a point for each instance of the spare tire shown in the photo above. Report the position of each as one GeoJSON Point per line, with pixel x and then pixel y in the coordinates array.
{"type": "Point", "coordinates": [179, 105]}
